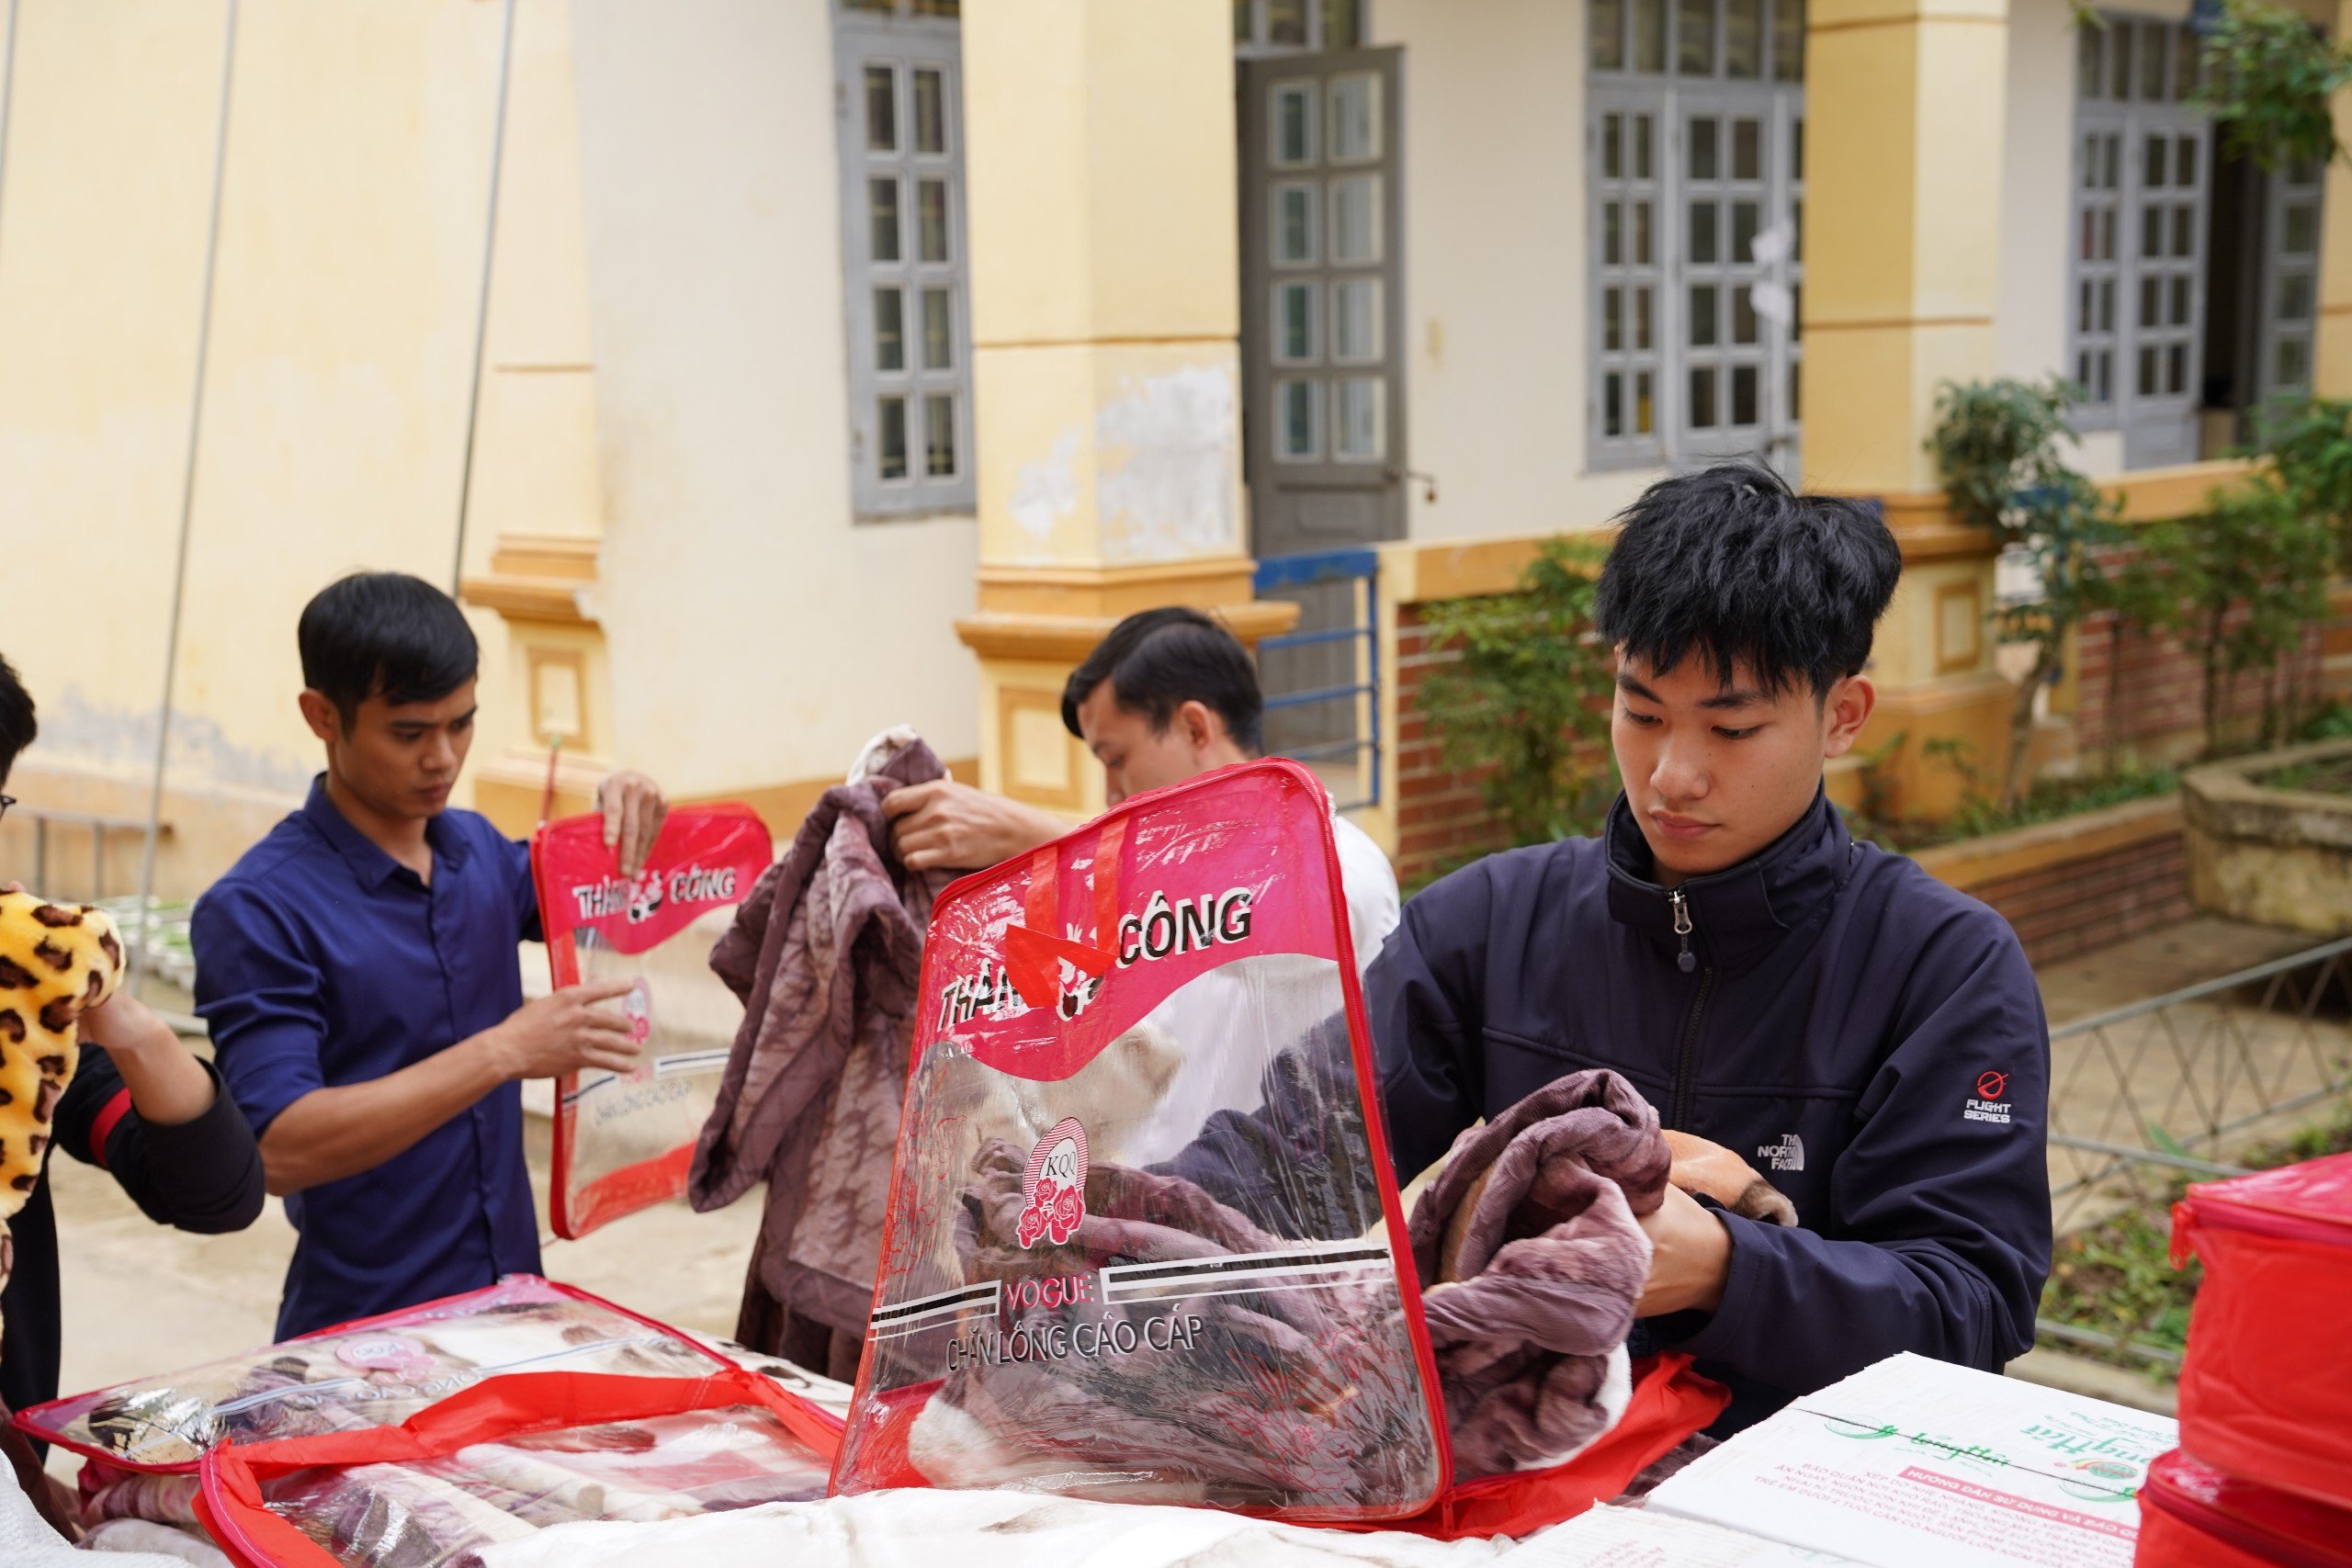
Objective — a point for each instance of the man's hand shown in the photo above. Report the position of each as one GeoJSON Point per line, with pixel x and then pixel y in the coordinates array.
{"type": "Point", "coordinates": [331, 1134]}
{"type": "Point", "coordinates": [948, 824]}
{"type": "Point", "coordinates": [634, 810]}
{"type": "Point", "coordinates": [1689, 1260]}
{"type": "Point", "coordinates": [567, 1031]}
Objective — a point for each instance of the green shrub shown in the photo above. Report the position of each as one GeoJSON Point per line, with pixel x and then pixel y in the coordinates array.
{"type": "Point", "coordinates": [2268, 79]}
{"type": "Point", "coordinates": [2242, 581]}
{"type": "Point", "coordinates": [1527, 702]}
{"type": "Point", "coordinates": [1997, 445]}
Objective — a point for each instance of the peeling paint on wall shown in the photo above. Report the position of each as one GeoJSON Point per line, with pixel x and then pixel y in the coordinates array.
{"type": "Point", "coordinates": [1046, 492]}
{"type": "Point", "coordinates": [73, 727]}
{"type": "Point", "coordinates": [1166, 486]}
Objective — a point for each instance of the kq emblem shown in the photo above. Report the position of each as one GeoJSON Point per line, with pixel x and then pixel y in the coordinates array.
{"type": "Point", "coordinates": [1054, 1187]}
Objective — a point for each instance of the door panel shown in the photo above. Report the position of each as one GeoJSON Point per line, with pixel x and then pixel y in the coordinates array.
{"type": "Point", "coordinates": [1322, 300]}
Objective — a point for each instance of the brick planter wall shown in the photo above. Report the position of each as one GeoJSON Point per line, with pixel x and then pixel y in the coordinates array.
{"type": "Point", "coordinates": [2161, 704]}
{"type": "Point", "coordinates": [2080, 883]}
{"type": "Point", "coordinates": [1441, 816]}
{"type": "Point", "coordinates": [2161, 714]}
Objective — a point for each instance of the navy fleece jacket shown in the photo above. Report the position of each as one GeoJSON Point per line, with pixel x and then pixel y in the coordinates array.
{"type": "Point", "coordinates": [1872, 1041]}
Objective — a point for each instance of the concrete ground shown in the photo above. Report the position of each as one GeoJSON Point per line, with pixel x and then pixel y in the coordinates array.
{"type": "Point", "coordinates": [140, 1299]}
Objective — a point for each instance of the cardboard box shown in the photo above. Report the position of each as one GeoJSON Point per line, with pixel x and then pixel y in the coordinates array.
{"type": "Point", "coordinates": [1914, 1464]}
{"type": "Point", "coordinates": [1606, 1537]}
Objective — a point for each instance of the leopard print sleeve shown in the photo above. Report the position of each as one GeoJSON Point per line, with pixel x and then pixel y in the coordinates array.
{"type": "Point", "coordinates": [55, 961]}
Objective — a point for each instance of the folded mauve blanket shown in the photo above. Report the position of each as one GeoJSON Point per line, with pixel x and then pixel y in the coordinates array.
{"type": "Point", "coordinates": [1531, 1263]}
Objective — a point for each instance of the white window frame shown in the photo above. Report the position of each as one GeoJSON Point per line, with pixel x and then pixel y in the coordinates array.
{"type": "Point", "coordinates": [1253, 27]}
{"type": "Point", "coordinates": [2288, 304]}
{"type": "Point", "coordinates": [1671, 99]}
{"type": "Point", "coordinates": [2119, 109]}
{"type": "Point", "coordinates": [903, 43]}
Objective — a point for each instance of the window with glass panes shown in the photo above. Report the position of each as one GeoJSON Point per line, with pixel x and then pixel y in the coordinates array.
{"type": "Point", "coordinates": [899, 102]}
{"type": "Point", "coordinates": [1269, 27]}
{"type": "Point", "coordinates": [2136, 244]}
{"type": "Point", "coordinates": [1695, 166]}
{"type": "Point", "coordinates": [2289, 301]}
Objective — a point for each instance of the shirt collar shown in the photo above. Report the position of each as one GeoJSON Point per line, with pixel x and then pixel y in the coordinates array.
{"type": "Point", "coordinates": [366, 860]}
{"type": "Point", "coordinates": [1738, 914]}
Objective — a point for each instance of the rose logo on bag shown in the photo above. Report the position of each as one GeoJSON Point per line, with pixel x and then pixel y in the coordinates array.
{"type": "Point", "coordinates": [393, 1353]}
{"type": "Point", "coordinates": [1053, 1186]}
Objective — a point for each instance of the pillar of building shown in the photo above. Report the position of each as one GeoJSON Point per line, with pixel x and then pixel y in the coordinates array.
{"type": "Point", "coordinates": [2332, 354]}
{"type": "Point", "coordinates": [1100, 160]}
{"type": "Point", "coordinates": [1902, 145]}
{"type": "Point", "coordinates": [536, 511]}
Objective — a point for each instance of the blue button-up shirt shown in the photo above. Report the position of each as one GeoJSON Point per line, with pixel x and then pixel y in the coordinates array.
{"type": "Point", "coordinates": [322, 960]}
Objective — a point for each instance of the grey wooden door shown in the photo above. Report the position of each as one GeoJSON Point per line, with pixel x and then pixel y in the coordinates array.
{"type": "Point", "coordinates": [2288, 307]}
{"type": "Point", "coordinates": [1322, 301]}
{"type": "Point", "coordinates": [2137, 249]}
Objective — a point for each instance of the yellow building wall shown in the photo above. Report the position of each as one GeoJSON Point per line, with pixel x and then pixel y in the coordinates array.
{"type": "Point", "coordinates": [756, 633]}
{"type": "Point", "coordinates": [2037, 186]}
{"type": "Point", "coordinates": [1496, 305]}
{"type": "Point", "coordinates": [350, 244]}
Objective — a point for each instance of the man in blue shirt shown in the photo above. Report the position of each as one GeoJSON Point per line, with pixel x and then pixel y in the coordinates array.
{"type": "Point", "coordinates": [358, 970]}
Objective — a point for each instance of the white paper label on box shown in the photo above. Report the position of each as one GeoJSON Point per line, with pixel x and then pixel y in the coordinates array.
{"type": "Point", "coordinates": [1913, 1463]}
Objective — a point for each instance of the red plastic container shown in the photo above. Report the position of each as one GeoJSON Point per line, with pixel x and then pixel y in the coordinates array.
{"type": "Point", "coordinates": [2192, 1516]}
{"type": "Point", "coordinates": [2266, 1389]}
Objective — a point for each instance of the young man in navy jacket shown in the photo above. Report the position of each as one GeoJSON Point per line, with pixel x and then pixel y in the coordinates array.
{"type": "Point", "coordinates": [1870, 1039]}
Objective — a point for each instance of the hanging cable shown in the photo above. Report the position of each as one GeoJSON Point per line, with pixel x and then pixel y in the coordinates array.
{"type": "Point", "coordinates": [7, 89]}
{"type": "Point", "coordinates": [188, 502]}
{"type": "Point", "coordinates": [482, 304]}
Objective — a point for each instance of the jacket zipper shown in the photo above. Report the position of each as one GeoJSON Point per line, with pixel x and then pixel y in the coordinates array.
{"type": "Point", "coordinates": [1687, 961]}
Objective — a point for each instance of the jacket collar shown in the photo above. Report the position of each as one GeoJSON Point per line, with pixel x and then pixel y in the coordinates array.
{"type": "Point", "coordinates": [368, 862]}
{"type": "Point", "coordinates": [1739, 914]}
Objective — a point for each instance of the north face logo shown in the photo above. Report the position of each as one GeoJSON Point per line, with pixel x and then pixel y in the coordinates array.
{"type": "Point", "coordinates": [1786, 1154]}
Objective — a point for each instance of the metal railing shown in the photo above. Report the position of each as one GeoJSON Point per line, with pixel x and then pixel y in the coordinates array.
{"type": "Point", "coordinates": [1322, 680]}
{"type": "Point", "coordinates": [2172, 1082]}
{"type": "Point", "coordinates": [2182, 1085]}
{"type": "Point", "coordinates": [44, 821]}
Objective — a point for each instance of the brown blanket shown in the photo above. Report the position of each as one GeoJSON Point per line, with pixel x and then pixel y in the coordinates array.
{"type": "Point", "coordinates": [1531, 1262]}
{"type": "Point", "coordinates": [826, 954]}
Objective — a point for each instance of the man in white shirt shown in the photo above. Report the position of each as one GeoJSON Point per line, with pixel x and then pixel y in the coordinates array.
{"type": "Point", "coordinates": [1168, 696]}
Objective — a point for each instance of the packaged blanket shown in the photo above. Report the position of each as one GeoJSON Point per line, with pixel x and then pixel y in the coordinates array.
{"type": "Point", "coordinates": [422, 1513]}
{"type": "Point", "coordinates": [1058, 1309]}
{"type": "Point", "coordinates": [1143, 1240]}
{"type": "Point", "coordinates": [359, 1376]}
{"type": "Point", "coordinates": [624, 1142]}
{"type": "Point", "coordinates": [511, 1457]}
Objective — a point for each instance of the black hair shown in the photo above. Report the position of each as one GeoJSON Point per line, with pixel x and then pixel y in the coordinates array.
{"type": "Point", "coordinates": [1157, 660]}
{"type": "Point", "coordinates": [18, 726]}
{"type": "Point", "coordinates": [385, 633]}
{"type": "Point", "coordinates": [1731, 564]}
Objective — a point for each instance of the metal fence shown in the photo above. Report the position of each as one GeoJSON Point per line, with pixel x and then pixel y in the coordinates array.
{"type": "Point", "coordinates": [53, 832]}
{"type": "Point", "coordinates": [1322, 679]}
{"type": "Point", "coordinates": [2181, 1085]}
